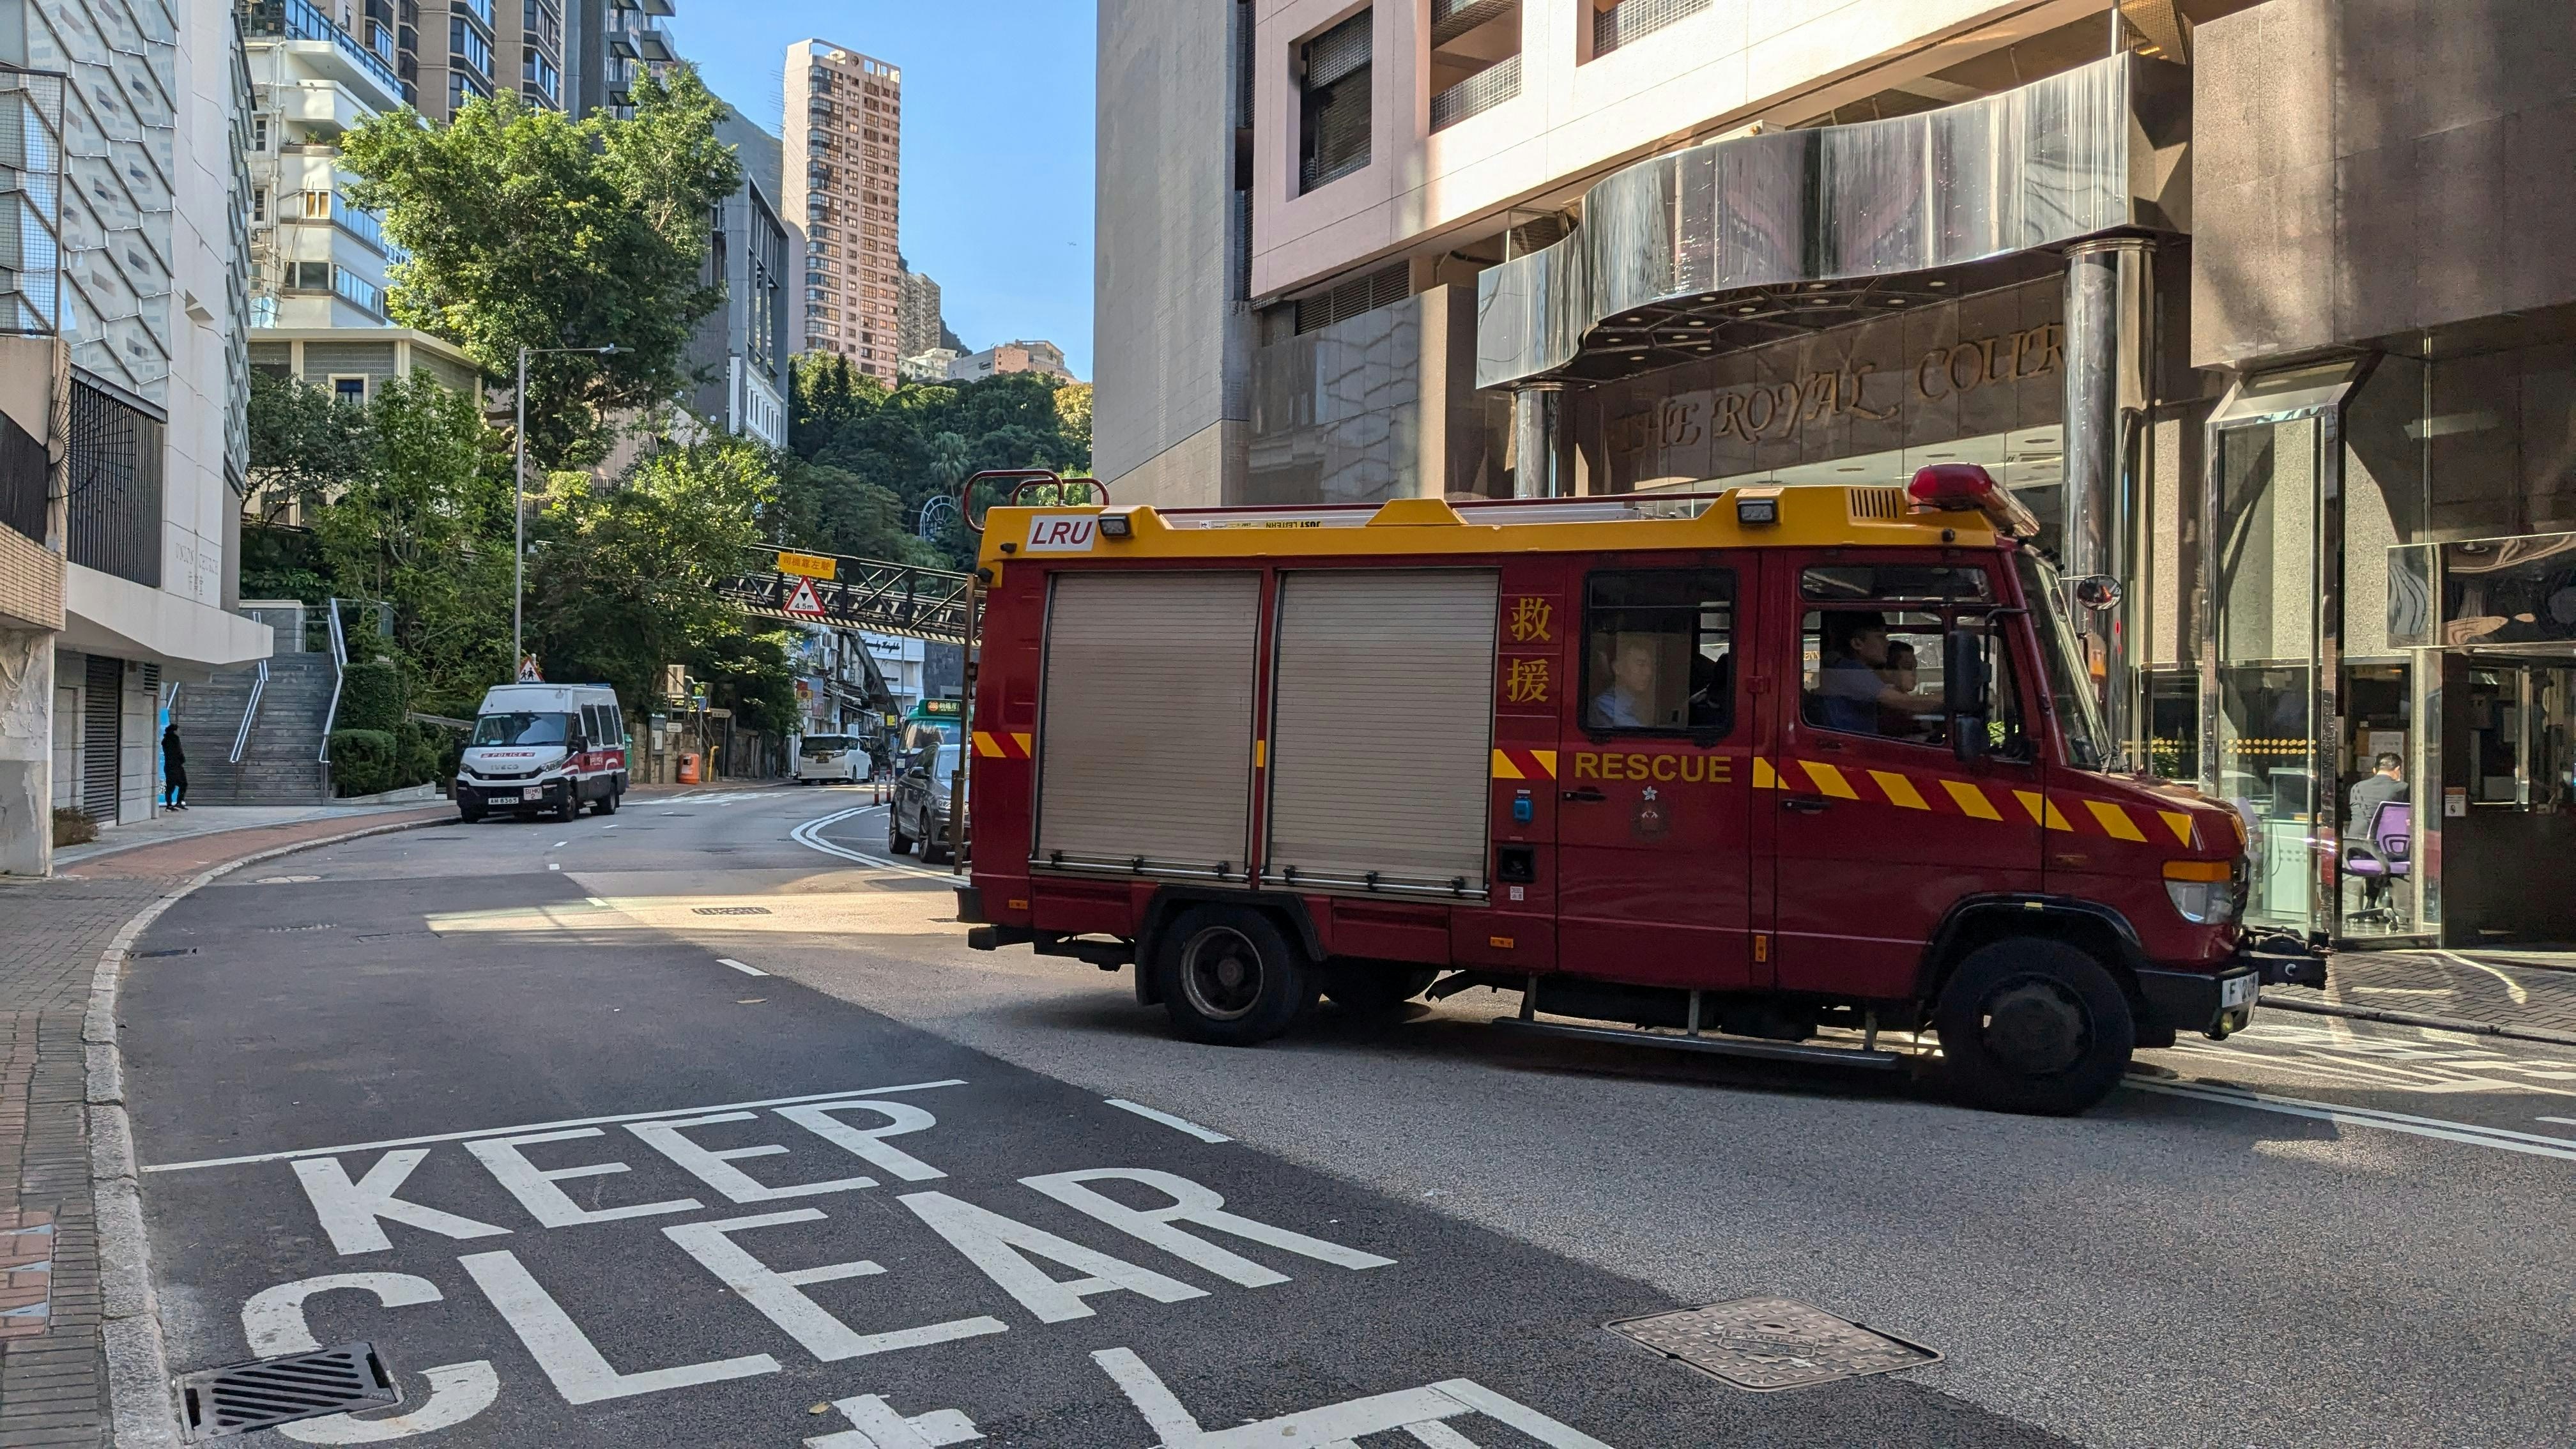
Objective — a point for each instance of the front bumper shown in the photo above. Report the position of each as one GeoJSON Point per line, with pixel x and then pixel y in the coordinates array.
{"type": "Point", "coordinates": [511, 795]}
{"type": "Point", "coordinates": [2216, 1004]}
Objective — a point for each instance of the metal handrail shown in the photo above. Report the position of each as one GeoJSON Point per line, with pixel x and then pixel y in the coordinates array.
{"type": "Point", "coordinates": [339, 672]}
{"type": "Point", "coordinates": [250, 712]}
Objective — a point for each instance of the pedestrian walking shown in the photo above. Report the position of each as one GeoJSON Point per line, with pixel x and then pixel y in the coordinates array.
{"type": "Point", "coordinates": [174, 769]}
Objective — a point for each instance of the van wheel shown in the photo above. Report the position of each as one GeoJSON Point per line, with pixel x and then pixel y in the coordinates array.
{"type": "Point", "coordinates": [605, 804]}
{"type": "Point", "coordinates": [1231, 977]}
{"type": "Point", "coordinates": [1375, 987]}
{"type": "Point", "coordinates": [2034, 1025]}
{"type": "Point", "coordinates": [470, 811]}
{"type": "Point", "coordinates": [896, 840]}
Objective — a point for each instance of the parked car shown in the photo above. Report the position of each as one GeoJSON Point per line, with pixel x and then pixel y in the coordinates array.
{"type": "Point", "coordinates": [921, 784]}
{"type": "Point", "coordinates": [821, 759]}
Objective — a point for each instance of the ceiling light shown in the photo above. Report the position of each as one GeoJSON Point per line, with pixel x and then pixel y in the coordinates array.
{"type": "Point", "coordinates": [1746, 311]}
{"type": "Point", "coordinates": [1936, 284]}
{"type": "Point", "coordinates": [1816, 286]}
{"type": "Point", "coordinates": [1703, 347]}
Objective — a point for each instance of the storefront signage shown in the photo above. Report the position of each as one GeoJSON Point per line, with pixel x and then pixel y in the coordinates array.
{"type": "Point", "coordinates": [1775, 413]}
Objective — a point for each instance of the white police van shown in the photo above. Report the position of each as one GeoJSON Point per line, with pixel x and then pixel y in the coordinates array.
{"type": "Point", "coordinates": [544, 749]}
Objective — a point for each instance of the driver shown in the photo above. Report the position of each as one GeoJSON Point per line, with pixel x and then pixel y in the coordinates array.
{"type": "Point", "coordinates": [1851, 688]}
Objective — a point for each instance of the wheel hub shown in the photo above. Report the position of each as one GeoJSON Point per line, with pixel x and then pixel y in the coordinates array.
{"type": "Point", "coordinates": [1221, 974]}
{"type": "Point", "coordinates": [2036, 1027]}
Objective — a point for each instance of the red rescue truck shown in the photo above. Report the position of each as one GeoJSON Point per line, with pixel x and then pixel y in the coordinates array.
{"type": "Point", "coordinates": [1768, 771]}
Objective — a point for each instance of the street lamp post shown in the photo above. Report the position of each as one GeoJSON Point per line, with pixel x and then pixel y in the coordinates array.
{"type": "Point", "coordinates": [519, 500]}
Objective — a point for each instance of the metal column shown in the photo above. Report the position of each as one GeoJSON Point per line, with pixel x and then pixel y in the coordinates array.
{"type": "Point", "coordinates": [2110, 336]}
{"type": "Point", "coordinates": [1538, 440]}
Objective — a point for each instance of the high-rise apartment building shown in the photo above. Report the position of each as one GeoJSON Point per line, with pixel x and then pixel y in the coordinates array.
{"type": "Point", "coordinates": [316, 261]}
{"type": "Point", "coordinates": [918, 324]}
{"type": "Point", "coordinates": [740, 350]}
{"type": "Point", "coordinates": [608, 46]}
{"type": "Point", "coordinates": [843, 178]}
{"type": "Point", "coordinates": [469, 49]}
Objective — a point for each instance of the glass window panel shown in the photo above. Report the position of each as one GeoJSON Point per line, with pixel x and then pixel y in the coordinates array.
{"type": "Point", "coordinates": [1659, 651]}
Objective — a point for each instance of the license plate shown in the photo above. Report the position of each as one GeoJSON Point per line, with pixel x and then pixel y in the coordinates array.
{"type": "Point", "coordinates": [532, 794]}
{"type": "Point", "coordinates": [2236, 991]}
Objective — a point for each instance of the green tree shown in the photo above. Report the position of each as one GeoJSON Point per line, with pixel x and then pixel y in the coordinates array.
{"type": "Point", "coordinates": [530, 229]}
{"type": "Point", "coordinates": [304, 444]}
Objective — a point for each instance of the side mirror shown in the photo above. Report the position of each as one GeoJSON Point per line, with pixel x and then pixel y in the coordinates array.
{"type": "Point", "coordinates": [1967, 686]}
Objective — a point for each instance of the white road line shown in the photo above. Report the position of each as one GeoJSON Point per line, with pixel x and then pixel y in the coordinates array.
{"type": "Point", "coordinates": [549, 1126]}
{"type": "Point", "coordinates": [2512, 987]}
{"type": "Point", "coordinates": [810, 835]}
{"type": "Point", "coordinates": [738, 966]}
{"type": "Point", "coordinates": [1177, 1124]}
{"type": "Point", "coordinates": [2569, 1121]}
{"type": "Point", "coordinates": [558, 845]}
{"type": "Point", "coordinates": [2497, 1137]}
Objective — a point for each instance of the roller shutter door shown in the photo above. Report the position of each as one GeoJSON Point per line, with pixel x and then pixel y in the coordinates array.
{"type": "Point", "coordinates": [102, 707]}
{"type": "Point", "coordinates": [1381, 750]}
{"type": "Point", "coordinates": [1145, 731]}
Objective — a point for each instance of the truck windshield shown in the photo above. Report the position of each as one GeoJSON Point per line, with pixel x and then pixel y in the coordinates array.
{"type": "Point", "coordinates": [2070, 683]}
{"type": "Point", "coordinates": [520, 729]}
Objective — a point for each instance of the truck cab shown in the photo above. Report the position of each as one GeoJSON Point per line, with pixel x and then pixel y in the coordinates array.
{"type": "Point", "coordinates": [1775, 772]}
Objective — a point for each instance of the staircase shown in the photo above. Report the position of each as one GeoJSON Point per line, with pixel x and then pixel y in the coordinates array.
{"type": "Point", "coordinates": [279, 763]}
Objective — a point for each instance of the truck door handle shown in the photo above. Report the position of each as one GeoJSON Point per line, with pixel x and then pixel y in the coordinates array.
{"type": "Point", "coordinates": [1587, 794]}
{"type": "Point", "coordinates": [1804, 804]}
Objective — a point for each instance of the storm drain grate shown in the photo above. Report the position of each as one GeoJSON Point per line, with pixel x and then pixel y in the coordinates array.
{"type": "Point", "coordinates": [165, 951]}
{"type": "Point", "coordinates": [731, 910]}
{"type": "Point", "coordinates": [245, 1397]}
{"type": "Point", "coordinates": [1767, 1344]}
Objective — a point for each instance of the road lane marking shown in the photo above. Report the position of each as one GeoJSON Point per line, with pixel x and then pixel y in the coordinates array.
{"type": "Point", "coordinates": [558, 845]}
{"type": "Point", "coordinates": [2500, 1138]}
{"type": "Point", "coordinates": [738, 966]}
{"type": "Point", "coordinates": [810, 836]}
{"type": "Point", "coordinates": [1335, 1426]}
{"type": "Point", "coordinates": [1178, 1124]}
{"type": "Point", "coordinates": [2512, 987]}
{"type": "Point", "coordinates": [545, 1126]}
{"type": "Point", "coordinates": [579, 1372]}
{"type": "Point", "coordinates": [550, 865]}
{"type": "Point", "coordinates": [879, 1426]}
{"type": "Point", "coordinates": [2569, 1121]}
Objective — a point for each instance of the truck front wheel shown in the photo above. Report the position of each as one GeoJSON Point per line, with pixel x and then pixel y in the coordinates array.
{"type": "Point", "coordinates": [1231, 977]}
{"type": "Point", "coordinates": [2034, 1025]}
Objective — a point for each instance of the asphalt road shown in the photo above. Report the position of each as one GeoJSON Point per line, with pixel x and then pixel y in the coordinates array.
{"type": "Point", "coordinates": [505, 1076]}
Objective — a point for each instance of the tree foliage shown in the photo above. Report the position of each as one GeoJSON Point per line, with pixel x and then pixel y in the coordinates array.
{"type": "Point", "coordinates": [867, 452]}
{"type": "Point", "coordinates": [527, 229]}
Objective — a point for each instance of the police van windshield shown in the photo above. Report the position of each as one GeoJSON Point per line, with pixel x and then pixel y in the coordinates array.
{"type": "Point", "coordinates": [521, 729]}
{"type": "Point", "coordinates": [2088, 739]}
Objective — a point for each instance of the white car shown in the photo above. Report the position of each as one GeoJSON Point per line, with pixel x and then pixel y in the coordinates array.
{"type": "Point", "coordinates": [821, 759]}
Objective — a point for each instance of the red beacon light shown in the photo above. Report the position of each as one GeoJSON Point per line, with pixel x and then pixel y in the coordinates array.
{"type": "Point", "coordinates": [1947, 487]}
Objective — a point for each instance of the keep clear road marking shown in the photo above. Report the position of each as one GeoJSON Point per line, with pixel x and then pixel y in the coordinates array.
{"type": "Point", "coordinates": [738, 966]}
{"type": "Point", "coordinates": [810, 835]}
{"type": "Point", "coordinates": [1177, 1124]}
{"type": "Point", "coordinates": [550, 1126]}
{"type": "Point", "coordinates": [1422, 1413]}
{"type": "Point", "coordinates": [2562, 1148]}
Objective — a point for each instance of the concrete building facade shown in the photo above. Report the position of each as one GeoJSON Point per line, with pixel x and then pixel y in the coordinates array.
{"type": "Point", "coordinates": [741, 350]}
{"type": "Point", "coordinates": [316, 261]}
{"type": "Point", "coordinates": [2262, 308]}
{"type": "Point", "coordinates": [123, 453]}
{"type": "Point", "coordinates": [1016, 356]}
{"type": "Point", "coordinates": [844, 173]}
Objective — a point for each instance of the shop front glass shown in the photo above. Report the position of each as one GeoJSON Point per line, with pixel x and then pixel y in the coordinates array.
{"type": "Point", "coordinates": [2265, 499]}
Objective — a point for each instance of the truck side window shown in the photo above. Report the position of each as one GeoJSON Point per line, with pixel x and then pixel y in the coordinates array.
{"type": "Point", "coordinates": [1877, 671]}
{"type": "Point", "coordinates": [1659, 651]}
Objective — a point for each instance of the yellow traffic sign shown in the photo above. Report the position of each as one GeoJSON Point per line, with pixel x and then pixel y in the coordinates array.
{"type": "Point", "coordinates": [807, 565]}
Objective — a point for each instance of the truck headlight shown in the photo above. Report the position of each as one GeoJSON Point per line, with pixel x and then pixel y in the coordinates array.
{"type": "Point", "coordinates": [2203, 892]}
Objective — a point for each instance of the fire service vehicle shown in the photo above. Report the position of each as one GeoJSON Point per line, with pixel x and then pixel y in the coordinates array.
{"type": "Point", "coordinates": [1764, 771]}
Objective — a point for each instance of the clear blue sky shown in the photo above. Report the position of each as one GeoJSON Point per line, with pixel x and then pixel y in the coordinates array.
{"type": "Point", "coordinates": [997, 110]}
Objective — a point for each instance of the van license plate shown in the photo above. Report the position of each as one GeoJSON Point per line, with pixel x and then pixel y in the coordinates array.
{"type": "Point", "coordinates": [2236, 991]}
{"type": "Point", "coordinates": [532, 794]}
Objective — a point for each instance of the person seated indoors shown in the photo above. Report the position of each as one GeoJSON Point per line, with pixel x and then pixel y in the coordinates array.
{"type": "Point", "coordinates": [1629, 702]}
{"type": "Point", "coordinates": [1853, 689]}
{"type": "Point", "coordinates": [1906, 677]}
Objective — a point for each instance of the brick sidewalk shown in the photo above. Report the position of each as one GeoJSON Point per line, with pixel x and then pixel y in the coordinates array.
{"type": "Point", "coordinates": [2452, 984]}
{"type": "Point", "coordinates": [53, 1372]}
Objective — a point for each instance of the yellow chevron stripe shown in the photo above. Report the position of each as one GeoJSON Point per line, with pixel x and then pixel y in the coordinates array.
{"type": "Point", "coordinates": [987, 746]}
{"type": "Point", "coordinates": [2179, 822]}
{"type": "Point", "coordinates": [1504, 769]}
{"type": "Point", "coordinates": [2115, 821]}
{"type": "Point", "coordinates": [1546, 761]}
{"type": "Point", "coordinates": [1764, 777]}
{"type": "Point", "coordinates": [1830, 780]}
{"type": "Point", "coordinates": [1027, 743]}
{"type": "Point", "coordinates": [2043, 811]}
{"type": "Point", "coordinates": [1972, 801]}
{"type": "Point", "coordinates": [1900, 790]}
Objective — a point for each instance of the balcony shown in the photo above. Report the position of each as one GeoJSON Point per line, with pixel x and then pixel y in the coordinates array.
{"type": "Point", "coordinates": [334, 51]}
{"type": "Point", "coordinates": [1630, 21]}
{"type": "Point", "coordinates": [1477, 94]}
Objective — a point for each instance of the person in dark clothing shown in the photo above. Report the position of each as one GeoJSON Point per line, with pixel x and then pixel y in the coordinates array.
{"type": "Point", "coordinates": [2387, 783]}
{"type": "Point", "coordinates": [174, 769]}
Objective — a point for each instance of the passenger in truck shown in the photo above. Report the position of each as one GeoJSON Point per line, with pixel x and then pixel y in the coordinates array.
{"type": "Point", "coordinates": [1851, 690]}
{"type": "Point", "coordinates": [1629, 702]}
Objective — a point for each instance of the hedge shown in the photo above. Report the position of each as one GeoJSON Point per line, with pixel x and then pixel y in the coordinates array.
{"type": "Point", "coordinates": [371, 698]}
{"type": "Point", "coordinates": [364, 762]}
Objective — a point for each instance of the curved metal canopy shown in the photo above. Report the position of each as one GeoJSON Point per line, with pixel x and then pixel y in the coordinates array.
{"type": "Point", "coordinates": [1741, 241]}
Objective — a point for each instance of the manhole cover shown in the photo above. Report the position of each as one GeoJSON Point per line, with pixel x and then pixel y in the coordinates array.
{"type": "Point", "coordinates": [1765, 1344]}
{"type": "Point", "coordinates": [731, 910]}
{"type": "Point", "coordinates": [244, 1397]}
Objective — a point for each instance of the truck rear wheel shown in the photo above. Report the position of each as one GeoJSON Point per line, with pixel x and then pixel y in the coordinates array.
{"type": "Point", "coordinates": [1231, 977]}
{"type": "Point", "coordinates": [2034, 1025]}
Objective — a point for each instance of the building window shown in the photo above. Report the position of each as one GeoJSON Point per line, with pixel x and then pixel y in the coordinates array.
{"type": "Point", "coordinates": [1475, 58]}
{"type": "Point", "coordinates": [1630, 21]}
{"type": "Point", "coordinates": [1659, 651]}
{"type": "Point", "coordinates": [538, 74]}
{"type": "Point", "coordinates": [259, 133]}
{"type": "Point", "coordinates": [468, 45]}
{"type": "Point", "coordinates": [308, 276]}
{"type": "Point", "coordinates": [1333, 103]}
{"type": "Point", "coordinates": [259, 205]}
{"type": "Point", "coordinates": [349, 389]}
